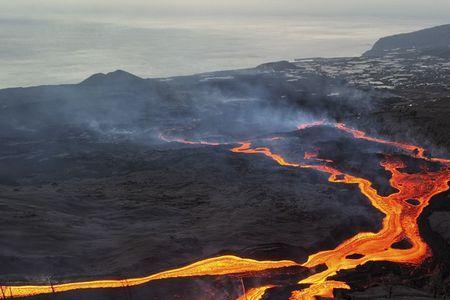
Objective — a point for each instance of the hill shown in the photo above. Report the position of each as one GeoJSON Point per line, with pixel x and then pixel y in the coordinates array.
{"type": "Point", "coordinates": [435, 39]}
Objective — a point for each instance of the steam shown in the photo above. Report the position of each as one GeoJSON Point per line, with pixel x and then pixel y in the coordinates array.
{"type": "Point", "coordinates": [120, 105]}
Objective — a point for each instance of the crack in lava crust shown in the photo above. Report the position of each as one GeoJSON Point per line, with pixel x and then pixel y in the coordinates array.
{"type": "Point", "coordinates": [399, 222]}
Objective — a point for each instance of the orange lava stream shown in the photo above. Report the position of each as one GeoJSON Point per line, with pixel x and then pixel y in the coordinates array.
{"type": "Point", "coordinates": [217, 266]}
{"type": "Point", "coordinates": [418, 152]}
{"type": "Point", "coordinates": [245, 147]}
{"type": "Point", "coordinates": [399, 223]}
{"type": "Point", "coordinates": [362, 135]}
{"type": "Point", "coordinates": [256, 293]}
{"type": "Point", "coordinates": [324, 290]}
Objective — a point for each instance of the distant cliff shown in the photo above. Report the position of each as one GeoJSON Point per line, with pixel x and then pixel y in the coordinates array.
{"type": "Point", "coordinates": [436, 39]}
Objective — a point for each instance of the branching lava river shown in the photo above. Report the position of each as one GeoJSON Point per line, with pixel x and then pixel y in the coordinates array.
{"type": "Point", "coordinates": [399, 224]}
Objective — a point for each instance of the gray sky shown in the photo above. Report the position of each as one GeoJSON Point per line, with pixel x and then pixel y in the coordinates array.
{"type": "Point", "coordinates": [403, 8]}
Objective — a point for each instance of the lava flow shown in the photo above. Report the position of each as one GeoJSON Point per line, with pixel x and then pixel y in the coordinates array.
{"type": "Point", "coordinates": [399, 224]}
{"type": "Point", "coordinates": [256, 293]}
{"type": "Point", "coordinates": [217, 266]}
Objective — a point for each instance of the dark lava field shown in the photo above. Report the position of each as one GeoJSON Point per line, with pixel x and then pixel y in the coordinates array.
{"type": "Point", "coordinates": [89, 188]}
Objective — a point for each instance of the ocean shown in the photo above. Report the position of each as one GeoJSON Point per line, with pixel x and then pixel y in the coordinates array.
{"type": "Point", "coordinates": [36, 51]}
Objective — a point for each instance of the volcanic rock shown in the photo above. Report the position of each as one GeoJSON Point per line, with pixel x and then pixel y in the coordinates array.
{"type": "Point", "coordinates": [440, 223]}
{"type": "Point", "coordinates": [391, 292]}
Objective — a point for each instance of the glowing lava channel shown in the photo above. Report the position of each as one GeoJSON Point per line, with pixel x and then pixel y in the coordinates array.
{"type": "Point", "coordinates": [256, 293]}
{"type": "Point", "coordinates": [217, 266]}
{"type": "Point", "coordinates": [399, 223]}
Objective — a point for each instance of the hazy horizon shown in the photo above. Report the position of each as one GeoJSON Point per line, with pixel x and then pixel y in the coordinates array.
{"type": "Point", "coordinates": [49, 42]}
{"type": "Point", "coordinates": [380, 8]}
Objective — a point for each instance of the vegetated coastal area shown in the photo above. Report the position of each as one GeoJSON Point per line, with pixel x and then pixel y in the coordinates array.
{"type": "Point", "coordinates": [121, 177]}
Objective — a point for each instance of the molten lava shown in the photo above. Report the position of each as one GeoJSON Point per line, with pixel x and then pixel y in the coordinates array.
{"type": "Point", "coordinates": [217, 266]}
{"type": "Point", "coordinates": [399, 223]}
{"type": "Point", "coordinates": [400, 219]}
{"type": "Point", "coordinates": [256, 293]}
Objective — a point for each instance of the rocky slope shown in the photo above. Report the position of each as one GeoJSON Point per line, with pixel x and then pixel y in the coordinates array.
{"type": "Point", "coordinates": [436, 39]}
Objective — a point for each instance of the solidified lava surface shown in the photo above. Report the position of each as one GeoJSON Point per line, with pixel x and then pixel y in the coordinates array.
{"type": "Point", "coordinates": [308, 271]}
